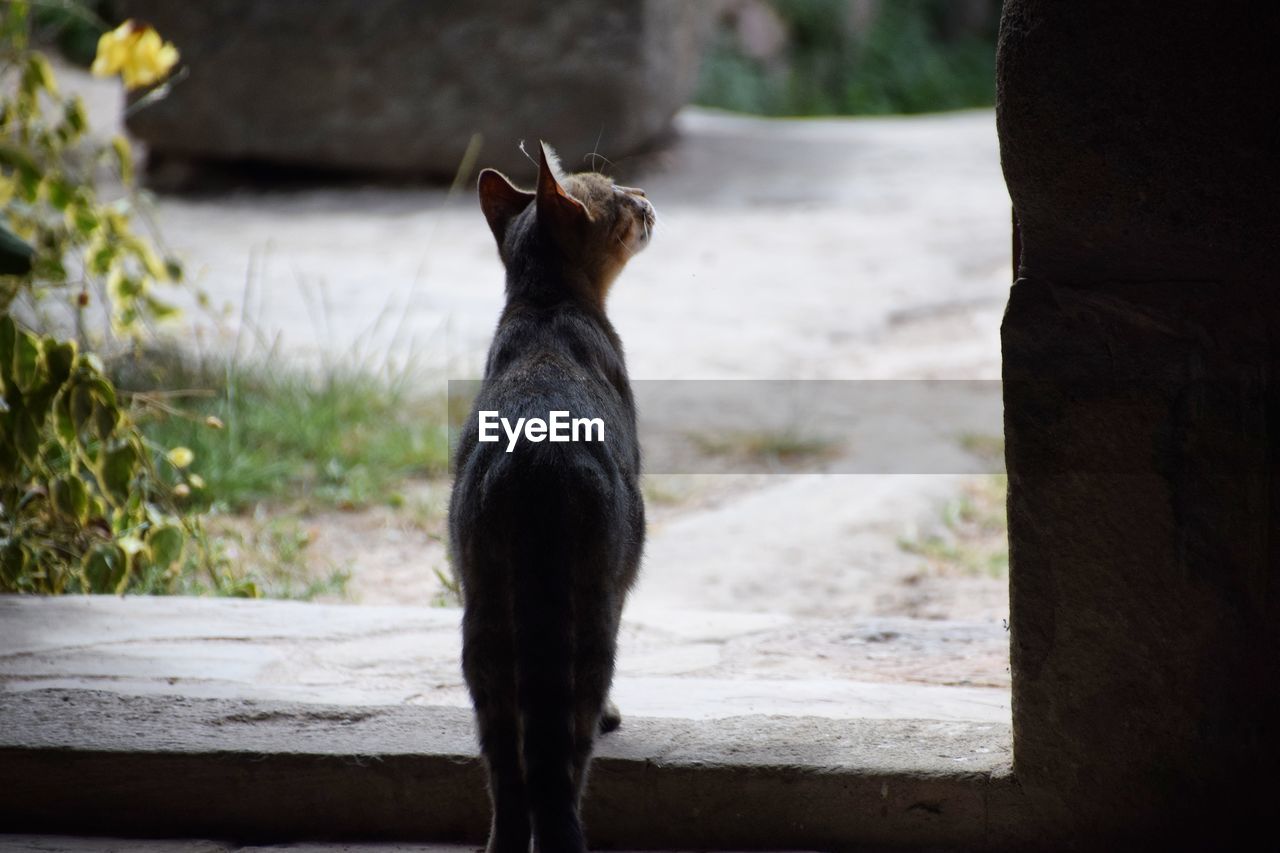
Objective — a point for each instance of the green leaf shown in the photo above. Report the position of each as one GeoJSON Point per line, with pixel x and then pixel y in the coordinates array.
{"type": "Point", "coordinates": [59, 358]}
{"type": "Point", "coordinates": [81, 407]}
{"type": "Point", "coordinates": [84, 219]}
{"type": "Point", "coordinates": [49, 268]}
{"type": "Point", "coordinates": [73, 116]}
{"type": "Point", "coordinates": [29, 185]}
{"type": "Point", "coordinates": [38, 75]}
{"type": "Point", "coordinates": [13, 564]}
{"type": "Point", "coordinates": [27, 371]}
{"type": "Point", "coordinates": [105, 417]}
{"type": "Point", "coordinates": [124, 157]}
{"type": "Point", "coordinates": [101, 254]}
{"type": "Point", "coordinates": [104, 567]}
{"type": "Point", "coordinates": [104, 390]}
{"type": "Point", "coordinates": [158, 309]}
{"type": "Point", "coordinates": [19, 160]}
{"type": "Point", "coordinates": [26, 438]}
{"type": "Point", "coordinates": [69, 496]}
{"type": "Point", "coordinates": [166, 542]}
{"type": "Point", "coordinates": [63, 425]}
{"type": "Point", "coordinates": [9, 287]}
{"type": "Point", "coordinates": [58, 191]}
{"type": "Point", "coordinates": [15, 26]}
{"type": "Point", "coordinates": [124, 287]}
{"type": "Point", "coordinates": [117, 467]}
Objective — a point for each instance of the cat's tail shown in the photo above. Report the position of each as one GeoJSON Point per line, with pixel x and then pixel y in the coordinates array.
{"type": "Point", "coordinates": [544, 622]}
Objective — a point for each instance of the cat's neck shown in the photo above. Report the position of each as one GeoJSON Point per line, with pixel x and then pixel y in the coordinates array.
{"type": "Point", "coordinates": [539, 282]}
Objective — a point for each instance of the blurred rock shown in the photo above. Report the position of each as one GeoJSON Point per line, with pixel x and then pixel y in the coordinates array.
{"type": "Point", "coordinates": [969, 18]}
{"type": "Point", "coordinates": [402, 86]}
{"type": "Point", "coordinates": [760, 33]}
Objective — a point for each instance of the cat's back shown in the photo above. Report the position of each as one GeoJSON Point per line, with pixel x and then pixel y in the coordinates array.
{"type": "Point", "coordinates": [542, 363]}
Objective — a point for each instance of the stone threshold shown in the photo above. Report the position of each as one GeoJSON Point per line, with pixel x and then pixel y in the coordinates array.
{"type": "Point", "coordinates": [274, 722]}
{"type": "Point", "coordinates": [98, 762]}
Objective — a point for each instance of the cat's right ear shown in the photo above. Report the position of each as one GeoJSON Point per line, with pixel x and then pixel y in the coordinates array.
{"type": "Point", "coordinates": [501, 202]}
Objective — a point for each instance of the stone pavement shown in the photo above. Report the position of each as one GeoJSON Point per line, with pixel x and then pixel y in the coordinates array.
{"type": "Point", "coordinates": [672, 664]}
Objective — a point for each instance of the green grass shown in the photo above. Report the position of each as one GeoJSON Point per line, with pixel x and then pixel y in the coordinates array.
{"type": "Point", "coordinates": [273, 552]}
{"type": "Point", "coordinates": [333, 438]}
{"type": "Point", "coordinates": [972, 537]}
{"type": "Point", "coordinates": [768, 448]}
{"type": "Point", "coordinates": [988, 448]}
{"type": "Point", "coordinates": [905, 63]}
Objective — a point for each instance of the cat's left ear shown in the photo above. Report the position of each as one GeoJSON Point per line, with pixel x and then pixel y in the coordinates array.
{"type": "Point", "coordinates": [500, 201]}
{"type": "Point", "coordinates": [555, 205]}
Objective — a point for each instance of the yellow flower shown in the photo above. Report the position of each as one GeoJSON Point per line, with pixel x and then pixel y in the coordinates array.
{"type": "Point", "coordinates": [181, 457]}
{"type": "Point", "coordinates": [136, 52]}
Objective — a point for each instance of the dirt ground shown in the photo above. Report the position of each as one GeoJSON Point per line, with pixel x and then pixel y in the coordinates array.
{"type": "Point", "coordinates": [851, 249]}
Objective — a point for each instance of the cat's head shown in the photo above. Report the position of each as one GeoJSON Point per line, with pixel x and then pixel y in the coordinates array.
{"type": "Point", "coordinates": [583, 221]}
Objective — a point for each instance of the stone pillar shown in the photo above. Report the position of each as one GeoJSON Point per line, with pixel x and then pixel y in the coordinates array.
{"type": "Point", "coordinates": [1142, 412]}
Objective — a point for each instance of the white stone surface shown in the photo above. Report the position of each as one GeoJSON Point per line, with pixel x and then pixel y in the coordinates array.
{"type": "Point", "coordinates": [691, 664]}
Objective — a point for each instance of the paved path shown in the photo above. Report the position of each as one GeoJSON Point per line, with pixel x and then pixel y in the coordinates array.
{"type": "Point", "coordinates": [864, 248]}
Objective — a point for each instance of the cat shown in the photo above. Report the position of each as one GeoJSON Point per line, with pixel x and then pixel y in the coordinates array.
{"type": "Point", "coordinates": [547, 538]}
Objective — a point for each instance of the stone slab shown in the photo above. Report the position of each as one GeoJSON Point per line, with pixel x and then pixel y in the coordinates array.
{"type": "Point", "coordinates": [673, 664]}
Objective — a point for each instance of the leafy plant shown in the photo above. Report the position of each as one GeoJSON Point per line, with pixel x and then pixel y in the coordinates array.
{"type": "Point", "coordinates": [83, 505]}
{"type": "Point", "coordinates": [82, 508]}
{"type": "Point", "coordinates": [86, 246]}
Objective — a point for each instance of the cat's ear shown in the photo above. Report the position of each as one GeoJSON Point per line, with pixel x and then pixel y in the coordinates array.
{"type": "Point", "coordinates": [500, 201]}
{"type": "Point", "coordinates": [555, 205]}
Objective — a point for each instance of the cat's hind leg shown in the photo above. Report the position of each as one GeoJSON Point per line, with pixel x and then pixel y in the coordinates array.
{"type": "Point", "coordinates": [593, 675]}
{"type": "Point", "coordinates": [489, 666]}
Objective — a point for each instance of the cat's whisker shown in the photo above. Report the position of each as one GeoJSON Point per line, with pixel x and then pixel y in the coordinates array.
{"type": "Point", "coordinates": [595, 152]}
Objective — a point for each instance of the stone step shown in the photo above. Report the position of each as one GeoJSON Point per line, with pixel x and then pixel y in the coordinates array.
{"type": "Point", "coordinates": [101, 844]}
{"type": "Point", "coordinates": [97, 762]}
{"type": "Point", "coordinates": [277, 722]}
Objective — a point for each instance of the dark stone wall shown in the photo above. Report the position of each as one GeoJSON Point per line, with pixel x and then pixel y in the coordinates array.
{"type": "Point", "coordinates": [1142, 412]}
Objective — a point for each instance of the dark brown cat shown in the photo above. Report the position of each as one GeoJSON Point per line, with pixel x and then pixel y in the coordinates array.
{"type": "Point", "coordinates": [547, 535]}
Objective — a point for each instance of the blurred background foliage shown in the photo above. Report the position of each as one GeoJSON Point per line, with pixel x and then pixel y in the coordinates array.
{"type": "Point", "coordinates": [73, 25]}
{"type": "Point", "coordinates": [770, 57]}
{"type": "Point", "coordinates": [851, 57]}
